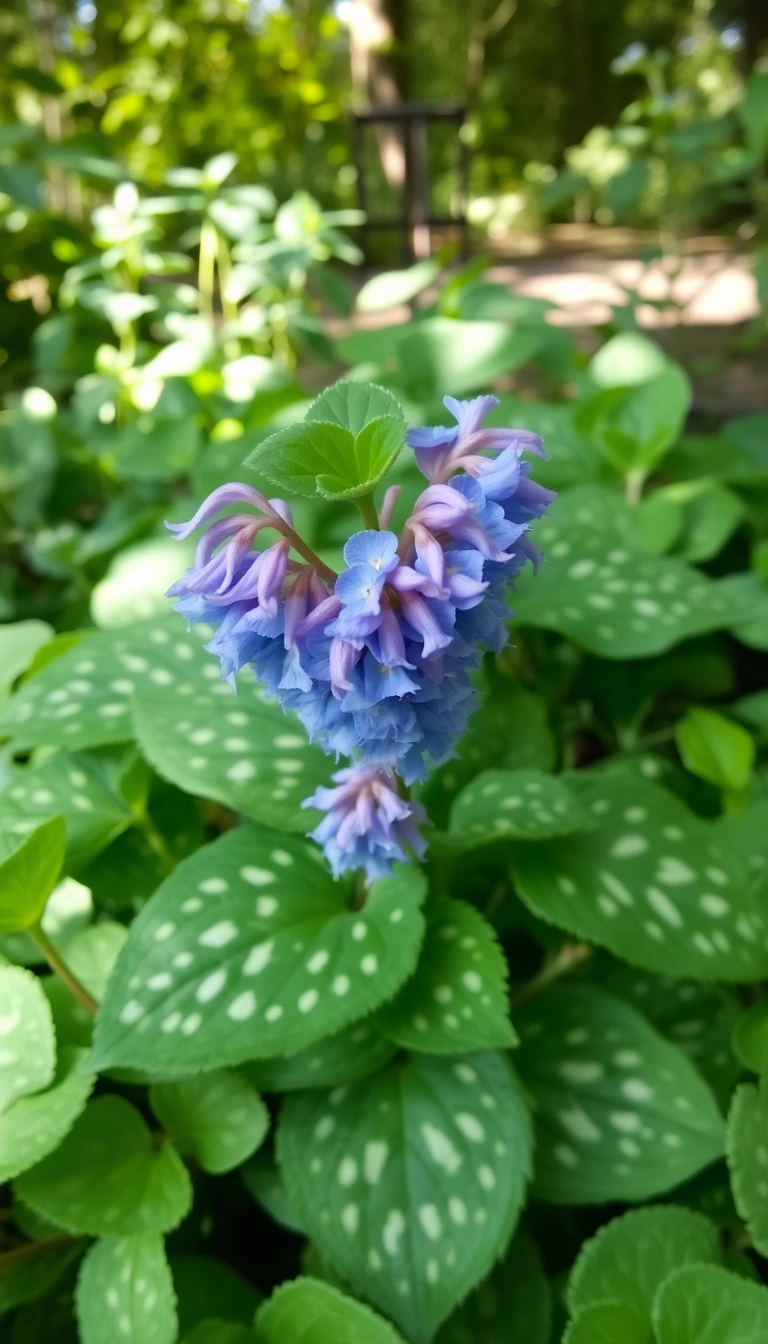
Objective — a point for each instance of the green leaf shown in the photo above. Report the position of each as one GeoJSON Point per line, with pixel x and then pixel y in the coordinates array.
{"type": "Point", "coordinates": [310, 1312]}
{"type": "Point", "coordinates": [263, 1180]}
{"type": "Point", "coordinates": [85, 789]}
{"type": "Point", "coordinates": [513, 1303]}
{"type": "Point", "coordinates": [457, 999]}
{"type": "Point", "coordinates": [654, 883]}
{"type": "Point", "coordinates": [219, 1331]}
{"type": "Point", "coordinates": [154, 449]}
{"type": "Point", "coordinates": [632, 1255]}
{"type": "Point", "coordinates": [620, 1112]}
{"type": "Point", "coordinates": [715, 749]}
{"type": "Point", "coordinates": [439, 353]}
{"type": "Point", "coordinates": [28, 875]}
{"type": "Point", "coordinates": [514, 804]}
{"type": "Point", "coordinates": [217, 1117]}
{"type": "Point", "coordinates": [27, 1043]}
{"type": "Point", "coordinates": [348, 442]}
{"type": "Point", "coordinates": [750, 1038]}
{"type": "Point", "coordinates": [602, 590]}
{"type": "Point", "coordinates": [350, 1054]}
{"type": "Point", "coordinates": [353, 405]}
{"type": "Point", "coordinates": [709, 520]}
{"type": "Point", "coordinates": [753, 111]}
{"type": "Point", "coordinates": [703, 1304]}
{"type": "Point", "coordinates": [240, 749]}
{"type": "Point", "coordinates": [34, 1126]}
{"type": "Point", "coordinates": [249, 950]}
{"type": "Point", "coordinates": [19, 643]}
{"type": "Point", "coordinates": [208, 1287]}
{"type": "Point", "coordinates": [627, 360]}
{"type": "Point", "coordinates": [109, 1177]}
{"type": "Point", "coordinates": [125, 1291]}
{"type": "Point", "coordinates": [394, 287]}
{"type": "Point", "coordinates": [606, 1323]}
{"type": "Point", "coordinates": [748, 1158]}
{"type": "Point", "coordinates": [82, 699]}
{"type": "Point", "coordinates": [410, 1182]}
{"type": "Point", "coordinates": [27, 1278]}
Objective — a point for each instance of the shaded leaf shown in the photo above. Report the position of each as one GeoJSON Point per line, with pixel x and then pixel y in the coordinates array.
{"type": "Point", "coordinates": [515, 804]}
{"type": "Point", "coordinates": [310, 1312]}
{"type": "Point", "coordinates": [125, 1291]}
{"type": "Point", "coordinates": [217, 1117]}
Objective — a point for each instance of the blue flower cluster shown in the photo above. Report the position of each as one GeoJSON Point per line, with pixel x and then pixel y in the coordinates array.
{"type": "Point", "coordinates": [376, 661]}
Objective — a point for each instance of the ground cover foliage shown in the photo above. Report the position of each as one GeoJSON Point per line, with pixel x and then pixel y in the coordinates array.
{"type": "Point", "coordinates": [514, 1090]}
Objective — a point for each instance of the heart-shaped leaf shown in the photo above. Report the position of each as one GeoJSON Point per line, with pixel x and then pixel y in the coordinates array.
{"type": "Point", "coordinates": [249, 950]}
{"type": "Point", "coordinates": [109, 1176]}
{"type": "Point", "coordinates": [620, 1112]}
{"type": "Point", "coordinates": [457, 999]}
{"type": "Point", "coordinates": [218, 1117]}
{"type": "Point", "coordinates": [652, 882]}
{"type": "Point", "coordinates": [515, 804]}
{"type": "Point", "coordinates": [410, 1182]}
{"type": "Point", "coordinates": [125, 1291]}
{"type": "Point", "coordinates": [310, 1312]}
{"type": "Point", "coordinates": [240, 749]}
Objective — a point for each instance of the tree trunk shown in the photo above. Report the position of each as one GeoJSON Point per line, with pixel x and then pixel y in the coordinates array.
{"type": "Point", "coordinates": [379, 74]}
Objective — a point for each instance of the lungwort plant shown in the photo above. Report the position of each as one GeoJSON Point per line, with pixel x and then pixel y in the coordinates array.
{"type": "Point", "coordinates": [347, 983]}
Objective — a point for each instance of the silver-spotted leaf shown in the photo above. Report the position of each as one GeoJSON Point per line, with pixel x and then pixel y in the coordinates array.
{"type": "Point", "coordinates": [654, 883]}
{"type": "Point", "coordinates": [350, 1054]}
{"type": "Point", "coordinates": [217, 1117]}
{"type": "Point", "coordinates": [620, 1113]}
{"type": "Point", "coordinates": [84, 788]}
{"type": "Point", "coordinates": [27, 1043]}
{"type": "Point", "coordinates": [250, 950]}
{"type": "Point", "coordinates": [240, 749]}
{"type": "Point", "coordinates": [457, 999]}
{"type": "Point", "coordinates": [109, 1176]}
{"type": "Point", "coordinates": [35, 1125]}
{"type": "Point", "coordinates": [515, 804]}
{"type": "Point", "coordinates": [125, 1291]}
{"type": "Point", "coordinates": [703, 1304]}
{"type": "Point", "coordinates": [410, 1182]}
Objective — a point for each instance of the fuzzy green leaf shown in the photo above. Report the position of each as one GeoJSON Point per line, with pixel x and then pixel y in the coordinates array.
{"type": "Point", "coordinates": [308, 1311]}
{"type": "Point", "coordinates": [457, 999]}
{"type": "Point", "coordinates": [27, 1043]}
{"type": "Point", "coordinates": [250, 950]}
{"type": "Point", "coordinates": [217, 1117]}
{"type": "Point", "coordinates": [109, 1177]}
{"type": "Point", "coordinates": [606, 1323]}
{"type": "Point", "coordinates": [35, 1125]}
{"type": "Point", "coordinates": [747, 1145]}
{"type": "Point", "coordinates": [410, 1182]}
{"type": "Point", "coordinates": [620, 1112]}
{"type": "Point", "coordinates": [703, 1304]}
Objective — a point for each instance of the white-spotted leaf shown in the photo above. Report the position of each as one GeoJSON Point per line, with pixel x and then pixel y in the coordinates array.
{"type": "Point", "coordinates": [654, 883]}
{"type": "Point", "coordinates": [457, 999]}
{"type": "Point", "coordinates": [631, 1256]}
{"type": "Point", "coordinates": [704, 1304]}
{"type": "Point", "coordinates": [251, 950]}
{"type": "Point", "coordinates": [125, 1292]}
{"type": "Point", "coordinates": [515, 804]}
{"type": "Point", "coordinates": [84, 788]}
{"type": "Point", "coordinates": [308, 1311]}
{"type": "Point", "coordinates": [602, 590]}
{"type": "Point", "coordinates": [35, 1125]}
{"type": "Point", "coordinates": [747, 1145]}
{"type": "Point", "coordinates": [109, 1177]}
{"type": "Point", "coordinates": [27, 1043]}
{"type": "Point", "coordinates": [240, 749]}
{"type": "Point", "coordinates": [217, 1117]}
{"type": "Point", "coordinates": [620, 1113]}
{"type": "Point", "coordinates": [410, 1182]}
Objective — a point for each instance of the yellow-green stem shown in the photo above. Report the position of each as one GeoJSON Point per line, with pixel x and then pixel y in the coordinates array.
{"type": "Point", "coordinates": [60, 968]}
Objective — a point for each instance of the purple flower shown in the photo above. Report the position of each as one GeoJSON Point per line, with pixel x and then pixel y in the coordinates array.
{"type": "Point", "coordinates": [367, 824]}
{"type": "Point", "coordinates": [440, 451]}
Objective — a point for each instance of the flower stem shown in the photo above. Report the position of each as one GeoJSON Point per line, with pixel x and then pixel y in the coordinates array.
{"type": "Point", "coordinates": [567, 959]}
{"type": "Point", "coordinates": [57, 964]}
{"type": "Point", "coordinates": [306, 551]}
{"type": "Point", "coordinates": [368, 511]}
